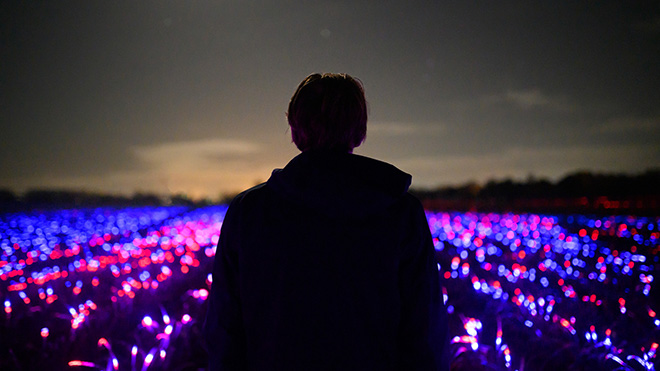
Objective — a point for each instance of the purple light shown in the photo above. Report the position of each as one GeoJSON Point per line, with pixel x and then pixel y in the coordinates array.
{"type": "Point", "coordinates": [562, 266]}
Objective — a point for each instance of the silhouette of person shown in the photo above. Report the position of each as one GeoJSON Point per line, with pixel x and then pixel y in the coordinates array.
{"type": "Point", "coordinates": [329, 265]}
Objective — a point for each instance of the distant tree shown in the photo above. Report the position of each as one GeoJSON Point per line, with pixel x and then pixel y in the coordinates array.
{"type": "Point", "coordinates": [181, 199]}
{"type": "Point", "coordinates": [506, 188]}
{"type": "Point", "coordinates": [7, 197]}
{"type": "Point", "coordinates": [648, 183]}
{"type": "Point", "coordinates": [226, 198]}
{"type": "Point", "coordinates": [146, 199]}
{"type": "Point", "coordinates": [52, 197]}
{"type": "Point", "coordinates": [539, 188]}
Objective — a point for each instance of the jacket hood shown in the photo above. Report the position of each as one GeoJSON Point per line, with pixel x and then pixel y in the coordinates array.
{"type": "Point", "coordinates": [340, 184]}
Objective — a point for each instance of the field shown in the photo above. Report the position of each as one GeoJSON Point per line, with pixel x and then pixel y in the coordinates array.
{"type": "Point", "coordinates": [126, 289]}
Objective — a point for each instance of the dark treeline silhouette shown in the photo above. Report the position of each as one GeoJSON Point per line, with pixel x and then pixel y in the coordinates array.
{"type": "Point", "coordinates": [59, 199]}
{"type": "Point", "coordinates": [577, 192]}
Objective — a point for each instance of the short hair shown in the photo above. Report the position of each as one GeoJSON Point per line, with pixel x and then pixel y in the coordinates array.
{"type": "Point", "coordinates": [328, 111]}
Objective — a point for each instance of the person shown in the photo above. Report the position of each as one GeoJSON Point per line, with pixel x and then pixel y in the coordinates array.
{"type": "Point", "coordinates": [329, 265]}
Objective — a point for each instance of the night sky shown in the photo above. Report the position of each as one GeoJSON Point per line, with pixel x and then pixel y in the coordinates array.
{"type": "Point", "coordinates": [190, 96]}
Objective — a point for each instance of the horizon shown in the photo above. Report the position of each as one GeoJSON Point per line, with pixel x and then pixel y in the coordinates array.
{"type": "Point", "coordinates": [530, 180]}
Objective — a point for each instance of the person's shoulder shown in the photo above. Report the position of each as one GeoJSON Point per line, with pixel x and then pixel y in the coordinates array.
{"type": "Point", "coordinates": [412, 202]}
{"type": "Point", "coordinates": [248, 195]}
{"type": "Point", "coordinates": [242, 203]}
{"type": "Point", "coordinates": [414, 211]}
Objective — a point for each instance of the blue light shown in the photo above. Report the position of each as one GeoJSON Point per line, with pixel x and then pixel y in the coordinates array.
{"type": "Point", "coordinates": [473, 237]}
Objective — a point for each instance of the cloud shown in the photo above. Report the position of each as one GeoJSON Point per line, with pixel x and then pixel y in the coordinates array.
{"type": "Point", "coordinates": [194, 154]}
{"type": "Point", "coordinates": [519, 162]}
{"type": "Point", "coordinates": [386, 128]}
{"type": "Point", "coordinates": [194, 183]}
{"type": "Point", "coordinates": [198, 168]}
{"type": "Point", "coordinates": [529, 99]}
{"type": "Point", "coordinates": [619, 125]}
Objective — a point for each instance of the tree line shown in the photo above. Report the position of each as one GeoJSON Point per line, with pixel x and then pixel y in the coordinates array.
{"type": "Point", "coordinates": [63, 198]}
{"type": "Point", "coordinates": [581, 191]}
{"type": "Point", "coordinates": [578, 191]}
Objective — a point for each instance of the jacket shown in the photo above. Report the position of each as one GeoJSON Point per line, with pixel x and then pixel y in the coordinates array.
{"type": "Point", "coordinates": [329, 265]}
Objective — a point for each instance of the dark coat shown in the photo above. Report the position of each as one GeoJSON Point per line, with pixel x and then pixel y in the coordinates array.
{"type": "Point", "coordinates": [329, 265]}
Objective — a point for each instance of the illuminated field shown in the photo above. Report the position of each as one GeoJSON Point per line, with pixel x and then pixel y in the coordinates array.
{"type": "Point", "coordinates": [126, 288]}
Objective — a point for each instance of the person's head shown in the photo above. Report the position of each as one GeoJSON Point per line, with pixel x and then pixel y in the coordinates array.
{"type": "Point", "coordinates": [328, 111]}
